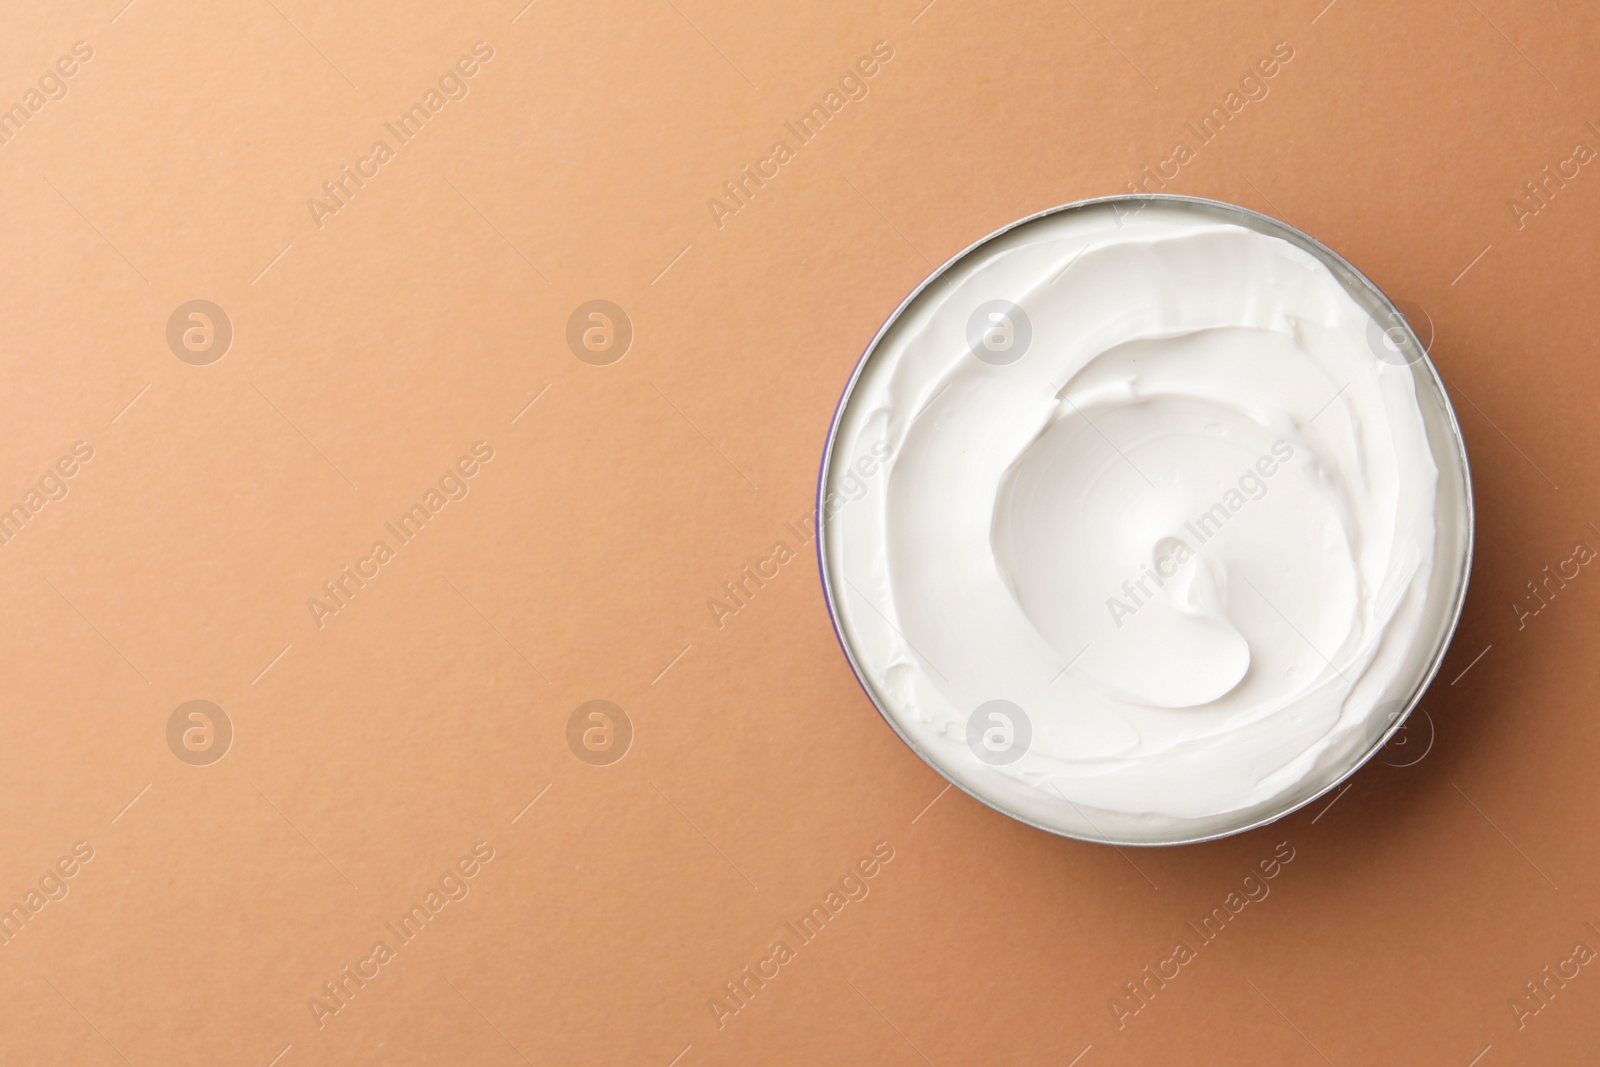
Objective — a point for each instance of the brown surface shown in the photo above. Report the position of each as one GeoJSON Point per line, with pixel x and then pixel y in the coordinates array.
{"type": "Point", "coordinates": [371, 754]}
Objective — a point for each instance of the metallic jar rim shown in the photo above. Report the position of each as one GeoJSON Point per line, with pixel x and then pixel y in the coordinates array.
{"type": "Point", "coordinates": [1351, 278]}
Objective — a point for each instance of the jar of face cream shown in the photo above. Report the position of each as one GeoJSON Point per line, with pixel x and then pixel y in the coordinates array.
{"type": "Point", "coordinates": [1145, 520]}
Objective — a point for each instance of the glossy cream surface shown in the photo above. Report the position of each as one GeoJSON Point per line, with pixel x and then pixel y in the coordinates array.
{"type": "Point", "coordinates": [1129, 528]}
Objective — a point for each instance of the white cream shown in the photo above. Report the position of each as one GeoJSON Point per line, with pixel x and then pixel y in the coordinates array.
{"type": "Point", "coordinates": [1176, 510]}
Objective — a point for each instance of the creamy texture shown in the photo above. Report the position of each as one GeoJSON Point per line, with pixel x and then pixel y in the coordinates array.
{"type": "Point", "coordinates": [1153, 553]}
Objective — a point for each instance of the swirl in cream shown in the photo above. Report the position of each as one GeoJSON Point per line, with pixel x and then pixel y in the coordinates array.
{"type": "Point", "coordinates": [1159, 537]}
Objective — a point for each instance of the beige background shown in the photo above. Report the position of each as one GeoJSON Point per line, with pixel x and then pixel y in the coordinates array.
{"type": "Point", "coordinates": [370, 754]}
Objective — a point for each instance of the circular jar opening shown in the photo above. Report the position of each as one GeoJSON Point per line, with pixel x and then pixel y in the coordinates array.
{"type": "Point", "coordinates": [1145, 520]}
